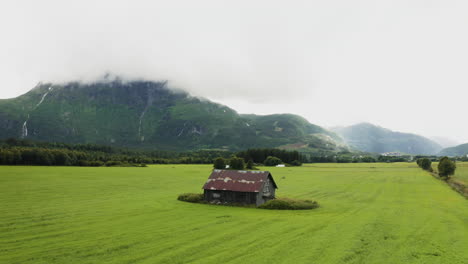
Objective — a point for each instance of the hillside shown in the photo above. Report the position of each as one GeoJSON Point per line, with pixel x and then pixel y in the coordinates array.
{"type": "Point", "coordinates": [370, 138]}
{"type": "Point", "coordinates": [460, 150]}
{"type": "Point", "coordinates": [146, 114]}
{"type": "Point", "coordinates": [445, 142]}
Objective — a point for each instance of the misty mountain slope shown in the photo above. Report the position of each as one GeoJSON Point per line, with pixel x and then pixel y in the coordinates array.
{"type": "Point", "coordinates": [149, 115]}
{"type": "Point", "coordinates": [370, 138]}
{"type": "Point", "coordinates": [460, 150]}
{"type": "Point", "coordinates": [445, 142]}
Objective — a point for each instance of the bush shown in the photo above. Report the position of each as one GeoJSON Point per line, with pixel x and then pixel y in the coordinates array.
{"type": "Point", "coordinates": [296, 163]}
{"type": "Point", "coordinates": [368, 159]}
{"type": "Point", "coordinates": [250, 165]}
{"type": "Point", "coordinates": [191, 197]}
{"type": "Point", "coordinates": [425, 164]}
{"type": "Point", "coordinates": [113, 163]}
{"type": "Point", "coordinates": [96, 163]}
{"type": "Point", "coordinates": [418, 161]}
{"type": "Point", "coordinates": [446, 167]}
{"type": "Point", "coordinates": [219, 163]}
{"type": "Point", "coordinates": [272, 161]}
{"type": "Point", "coordinates": [289, 204]}
{"type": "Point", "coordinates": [236, 163]}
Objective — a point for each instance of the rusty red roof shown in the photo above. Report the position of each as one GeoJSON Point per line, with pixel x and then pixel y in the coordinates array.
{"type": "Point", "coordinates": [238, 181]}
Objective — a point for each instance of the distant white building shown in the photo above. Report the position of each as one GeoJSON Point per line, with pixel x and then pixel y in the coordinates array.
{"type": "Point", "coordinates": [395, 154]}
{"type": "Point", "coordinates": [280, 165]}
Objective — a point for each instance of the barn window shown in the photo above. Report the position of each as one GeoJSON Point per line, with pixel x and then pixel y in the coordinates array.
{"type": "Point", "coordinates": [216, 195]}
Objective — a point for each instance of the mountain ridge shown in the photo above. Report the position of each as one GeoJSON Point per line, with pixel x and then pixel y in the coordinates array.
{"type": "Point", "coordinates": [372, 138]}
{"type": "Point", "coordinates": [147, 114]}
{"type": "Point", "coordinates": [460, 150]}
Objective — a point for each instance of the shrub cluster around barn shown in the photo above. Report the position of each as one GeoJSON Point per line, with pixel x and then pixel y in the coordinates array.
{"type": "Point", "coordinates": [275, 204]}
{"type": "Point", "coordinates": [289, 204]}
{"type": "Point", "coordinates": [191, 197]}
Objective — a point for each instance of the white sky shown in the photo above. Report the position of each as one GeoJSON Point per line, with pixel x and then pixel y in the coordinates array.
{"type": "Point", "coordinates": [401, 64]}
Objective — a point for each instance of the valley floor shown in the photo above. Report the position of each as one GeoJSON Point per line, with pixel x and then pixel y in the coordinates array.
{"type": "Point", "coordinates": [461, 173]}
{"type": "Point", "coordinates": [370, 213]}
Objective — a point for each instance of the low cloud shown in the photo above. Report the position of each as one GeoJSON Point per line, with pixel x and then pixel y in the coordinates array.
{"type": "Point", "coordinates": [334, 62]}
{"type": "Point", "coordinates": [242, 50]}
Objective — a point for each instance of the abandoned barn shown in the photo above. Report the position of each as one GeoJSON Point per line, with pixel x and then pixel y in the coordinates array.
{"type": "Point", "coordinates": [244, 187]}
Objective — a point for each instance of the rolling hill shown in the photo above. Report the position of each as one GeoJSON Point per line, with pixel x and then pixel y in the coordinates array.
{"type": "Point", "coordinates": [460, 150]}
{"type": "Point", "coordinates": [371, 138]}
{"type": "Point", "coordinates": [144, 114]}
{"type": "Point", "coordinates": [445, 142]}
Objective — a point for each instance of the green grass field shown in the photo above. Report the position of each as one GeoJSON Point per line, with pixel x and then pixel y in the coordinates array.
{"type": "Point", "coordinates": [370, 213]}
{"type": "Point", "coordinates": [461, 173]}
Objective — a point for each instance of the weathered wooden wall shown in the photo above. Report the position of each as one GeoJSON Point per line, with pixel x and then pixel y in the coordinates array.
{"type": "Point", "coordinates": [261, 198]}
{"type": "Point", "coordinates": [230, 197]}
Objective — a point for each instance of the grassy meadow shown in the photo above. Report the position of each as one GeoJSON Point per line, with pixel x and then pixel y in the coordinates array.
{"type": "Point", "coordinates": [461, 173]}
{"type": "Point", "coordinates": [370, 213]}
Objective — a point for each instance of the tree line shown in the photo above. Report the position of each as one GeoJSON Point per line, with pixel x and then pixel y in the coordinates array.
{"type": "Point", "coordinates": [259, 155]}
{"type": "Point", "coordinates": [445, 169]}
{"type": "Point", "coordinates": [250, 158]}
{"type": "Point", "coordinates": [237, 163]}
{"type": "Point", "coordinates": [350, 157]}
{"type": "Point", "coordinates": [26, 152]}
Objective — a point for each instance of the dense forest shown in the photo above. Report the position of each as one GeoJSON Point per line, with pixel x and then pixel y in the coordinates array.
{"type": "Point", "coordinates": [26, 152]}
{"type": "Point", "coordinates": [260, 155]}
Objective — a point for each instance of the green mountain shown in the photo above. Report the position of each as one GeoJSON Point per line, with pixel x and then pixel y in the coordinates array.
{"type": "Point", "coordinates": [370, 138]}
{"type": "Point", "coordinates": [144, 114]}
{"type": "Point", "coordinates": [460, 150]}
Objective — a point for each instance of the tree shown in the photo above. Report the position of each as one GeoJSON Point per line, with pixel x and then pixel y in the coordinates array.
{"type": "Point", "coordinates": [259, 155]}
{"type": "Point", "coordinates": [296, 163]}
{"type": "Point", "coordinates": [61, 158]}
{"type": "Point", "coordinates": [368, 159]}
{"type": "Point", "coordinates": [219, 163]}
{"type": "Point", "coordinates": [446, 167]}
{"type": "Point", "coordinates": [236, 163]}
{"type": "Point", "coordinates": [250, 164]}
{"type": "Point", "coordinates": [426, 164]}
{"type": "Point", "coordinates": [272, 161]}
{"type": "Point", "coordinates": [418, 161]}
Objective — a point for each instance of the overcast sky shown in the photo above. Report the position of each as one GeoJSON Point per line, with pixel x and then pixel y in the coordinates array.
{"type": "Point", "coordinates": [399, 64]}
